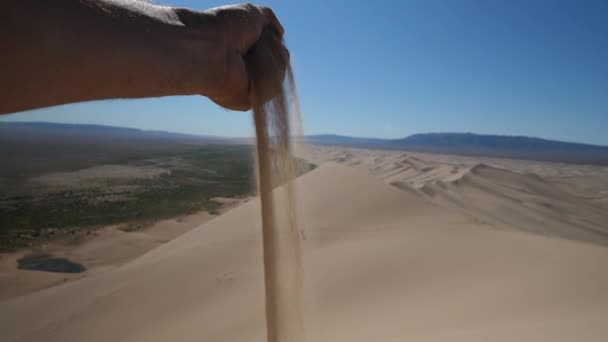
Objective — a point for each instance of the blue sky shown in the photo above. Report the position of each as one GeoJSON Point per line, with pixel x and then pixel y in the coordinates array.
{"type": "Point", "coordinates": [393, 68]}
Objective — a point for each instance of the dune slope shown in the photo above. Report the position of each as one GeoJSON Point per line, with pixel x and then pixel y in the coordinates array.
{"type": "Point", "coordinates": [565, 201]}
{"type": "Point", "coordinates": [381, 264]}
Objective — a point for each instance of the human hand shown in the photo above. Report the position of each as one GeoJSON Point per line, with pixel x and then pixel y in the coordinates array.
{"type": "Point", "coordinates": [239, 28]}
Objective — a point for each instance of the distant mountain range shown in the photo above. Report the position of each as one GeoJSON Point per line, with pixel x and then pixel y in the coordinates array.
{"type": "Point", "coordinates": [30, 149]}
{"type": "Point", "coordinates": [500, 146]}
{"type": "Point", "coordinates": [45, 129]}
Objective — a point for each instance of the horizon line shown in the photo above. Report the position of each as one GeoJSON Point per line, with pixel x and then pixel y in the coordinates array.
{"type": "Point", "coordinates": [305, 135]}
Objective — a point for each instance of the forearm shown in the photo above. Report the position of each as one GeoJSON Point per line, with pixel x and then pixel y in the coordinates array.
{"type": "Point", "coordinates": [61, 51]}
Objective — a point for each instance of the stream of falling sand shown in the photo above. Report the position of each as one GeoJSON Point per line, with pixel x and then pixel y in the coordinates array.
{"type": "Point", "coordinates": [276, 165]}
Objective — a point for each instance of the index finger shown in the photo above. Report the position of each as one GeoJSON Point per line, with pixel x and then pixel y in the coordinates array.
{"type": "Point", "coordinates": [272, 20]}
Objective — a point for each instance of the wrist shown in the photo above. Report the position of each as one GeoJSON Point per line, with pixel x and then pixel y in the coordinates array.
{"type": "Point", "coordinates": [184, 56]}
{"type": "Point", "coordinates": [151, 50]}
{"type": "Point", "coordinates": [81, 50]}
{"type": "Point", "coordinates": [167, 52]}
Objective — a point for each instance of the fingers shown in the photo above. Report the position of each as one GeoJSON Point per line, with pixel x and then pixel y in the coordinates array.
{"type": "Point", "coordinates": [272, 20]}
{"type": "Point", "coordinates": [264, 67]}
{"type": "Point", "coordinates": [240, 106]}
{"type": "Point", "coordinates": [267, 63]}
{"type": "Point", "coordinates": [251, 28]}
{"type": "Point", "coordinates": [235, 95]}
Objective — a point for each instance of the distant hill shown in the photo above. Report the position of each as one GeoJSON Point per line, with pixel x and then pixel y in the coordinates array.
{"type": "Point", "coordinates": [520, 147]}
{"type": "Point", "coordinates": [45, 129]}
{"type": "Point", "coordinates": [333, 139]}
{"type": "Point", "coordinates": [32, 148]}
{"type": "Point", "coordinates": [108, 140]}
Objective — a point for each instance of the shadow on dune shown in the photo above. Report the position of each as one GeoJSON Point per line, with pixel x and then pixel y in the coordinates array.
{"type": "Point", "coordinates": [47, 263]}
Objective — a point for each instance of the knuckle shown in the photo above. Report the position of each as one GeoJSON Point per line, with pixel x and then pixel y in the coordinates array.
{"type": "Point", "coordinates": [265, 9]}
{"type": "Point", "coordinates": [250, 7]}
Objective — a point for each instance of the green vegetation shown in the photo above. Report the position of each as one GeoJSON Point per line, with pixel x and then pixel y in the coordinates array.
{"type": "Point", "coordinates": [191, 181]}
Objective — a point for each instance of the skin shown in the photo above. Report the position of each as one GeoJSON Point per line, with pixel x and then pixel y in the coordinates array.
{"type": "Point", "coordinates": [62, 51]}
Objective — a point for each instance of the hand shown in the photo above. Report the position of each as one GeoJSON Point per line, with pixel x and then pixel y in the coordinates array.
{"type": "Point", "coordinates": [240, 27]}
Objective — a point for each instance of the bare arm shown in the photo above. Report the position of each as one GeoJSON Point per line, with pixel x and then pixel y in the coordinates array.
{"type": "Point", "coordinates": [62, 51]}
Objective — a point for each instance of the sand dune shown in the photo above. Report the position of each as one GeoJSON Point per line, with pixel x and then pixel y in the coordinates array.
{"type": "Point", "coordinates": [567, 201]}
{"type": "Point", "coordinates": [381, 264]}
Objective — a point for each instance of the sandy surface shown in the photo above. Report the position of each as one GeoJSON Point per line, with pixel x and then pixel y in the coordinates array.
{"type": "Point", "coordinates": [552, 199]}
{"type": "Point", "coordinates": [381, 262]}
{"type": "Point", "coordinates": [100, 251]}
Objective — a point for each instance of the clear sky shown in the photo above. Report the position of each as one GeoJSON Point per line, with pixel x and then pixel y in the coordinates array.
{"type": "Point", "coordinates": [393, 68]}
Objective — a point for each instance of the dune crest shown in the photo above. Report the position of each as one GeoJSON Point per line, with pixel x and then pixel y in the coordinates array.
{"type": "Point", "coordinates": [542, 198]}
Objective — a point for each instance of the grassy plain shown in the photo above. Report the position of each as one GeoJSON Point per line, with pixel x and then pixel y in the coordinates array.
{"type": "Point", "coordinates": [133, 192]}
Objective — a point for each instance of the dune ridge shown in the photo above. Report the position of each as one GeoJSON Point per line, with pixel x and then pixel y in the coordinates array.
{"type": "Point", "coordinates": [543, 198]}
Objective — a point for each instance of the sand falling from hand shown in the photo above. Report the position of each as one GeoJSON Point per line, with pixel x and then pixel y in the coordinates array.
{"type": "Point", "coordinates": [275, 107]}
